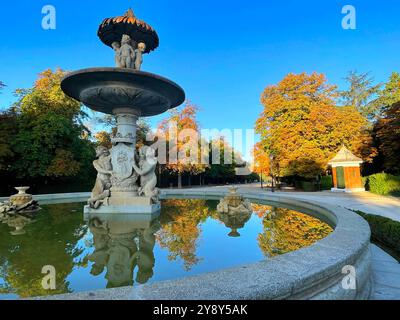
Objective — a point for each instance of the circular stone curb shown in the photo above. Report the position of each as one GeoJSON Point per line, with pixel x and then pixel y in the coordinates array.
{"type": "Point", "coordinates": [314, 272]}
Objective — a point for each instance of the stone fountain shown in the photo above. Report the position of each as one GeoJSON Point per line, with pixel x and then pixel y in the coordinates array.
{"type": "Point", "coordinates": [126, 180]}
{"type": "Point", "coordinates": [19, 210]}
{"type": "Point", "coordinates": [234, 211]}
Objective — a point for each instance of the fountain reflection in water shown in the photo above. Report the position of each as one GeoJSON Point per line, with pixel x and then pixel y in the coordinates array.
{"type": "Point", "coordinates": [120, 246]}
{"type": "Point", "coordinates": [19, 211]}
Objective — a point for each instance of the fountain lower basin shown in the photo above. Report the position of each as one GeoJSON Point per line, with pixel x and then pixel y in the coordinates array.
{"type": "Point", "coordinates": [313, 272]}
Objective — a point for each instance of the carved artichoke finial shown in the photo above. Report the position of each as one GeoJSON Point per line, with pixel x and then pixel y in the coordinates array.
{"type": "Point", "coordinates": [130, 13]}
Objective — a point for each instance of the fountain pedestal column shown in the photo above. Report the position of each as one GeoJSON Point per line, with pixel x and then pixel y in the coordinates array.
{"type": "Point", "coordinates": [123, 153]}
{"type": "Point", "coordinates": [126, 126]}
{"type": "Point", "coordinates": [125, 181]}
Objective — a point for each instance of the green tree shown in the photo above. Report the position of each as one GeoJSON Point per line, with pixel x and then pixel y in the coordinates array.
{"type": "Point", "coordinates": [8, 124]}
{"type": "Point", "coordinates": [221, 171]}
{"type": "Point", "coordinates": [361, 93]}
{"type": "Point", "coordinates": [2, 85]}
{"type": "Point", "coordinates": [387, 126]}
{"type": "Point", "coordinates": [389, 95]}
{"type": "Point", "coordinates": [51, 140]}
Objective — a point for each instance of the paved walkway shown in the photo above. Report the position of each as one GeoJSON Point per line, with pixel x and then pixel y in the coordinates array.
{"type": "Point", "coordinates": [386, 273]}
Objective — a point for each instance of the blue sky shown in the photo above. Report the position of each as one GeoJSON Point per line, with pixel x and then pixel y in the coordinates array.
{"type": "Point", "coordinates": [223, 53]}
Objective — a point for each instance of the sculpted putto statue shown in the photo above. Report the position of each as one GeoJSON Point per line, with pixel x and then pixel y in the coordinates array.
{"type": "Point", "coordinates": [127, 53]}
{"type": "Point", "coordinates": [139, 55]}
{"type": "Point", "coordinates": [117, 48]}
{"type": "Point", "coordinates": [146, 169]}
{"type": "Point", "coordinates": [101, 190]}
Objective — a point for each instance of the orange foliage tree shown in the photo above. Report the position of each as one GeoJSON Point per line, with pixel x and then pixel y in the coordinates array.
{"type": "Point", "coordinates": [182, 129]}
{"type": "Point", "coordinates": [262, 164]}
{"type": "Point", "coordinates": [303, 128]}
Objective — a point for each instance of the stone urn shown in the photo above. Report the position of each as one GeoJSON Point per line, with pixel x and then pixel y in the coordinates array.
{"type": "Point", "coordinates": [21, 197]}
{"type": "Point", "coordinates": [18, 222]}
{"type": "Point", "coordinates": [235, 221]}
{"type": "Point", "coordinates": [233, 199]}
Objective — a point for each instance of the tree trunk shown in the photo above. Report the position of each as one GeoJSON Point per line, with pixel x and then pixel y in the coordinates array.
{"type": "Point", "coordinates": [190, 180]}
{"type": "Point", "coordinates": [179, 180]}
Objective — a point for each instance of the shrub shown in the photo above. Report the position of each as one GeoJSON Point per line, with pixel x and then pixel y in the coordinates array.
{"type": "Point", "coordinates": [308, 186]}
{"type": "Point", "coordinates": [383, 184]}
{"type": "Point", "coordinates": [326, 182]}
{"type": "Point", "coordinates": [384, 230]}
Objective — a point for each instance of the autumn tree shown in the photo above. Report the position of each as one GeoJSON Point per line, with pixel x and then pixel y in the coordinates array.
{"type": "Point", "coordinates": [262, 163]}
{"type": "Point", "coordinates": [103, 138]}
{"type": "Point", "coordinates": [181, 133]}
{"type": "Point", "coordinates": [302, 127]}
{"type": "Point", "coordinates": [361, 93]}
{"type": "Point", "coordinates": [50, 139]}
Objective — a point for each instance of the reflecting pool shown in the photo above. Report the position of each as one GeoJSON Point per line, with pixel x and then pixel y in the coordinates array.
{"type": "Point", "coordinates": [188, 238]}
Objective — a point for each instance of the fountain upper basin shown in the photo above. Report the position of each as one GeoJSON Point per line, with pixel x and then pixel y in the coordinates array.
{"type": "Point", "coordinates": [106, 89]}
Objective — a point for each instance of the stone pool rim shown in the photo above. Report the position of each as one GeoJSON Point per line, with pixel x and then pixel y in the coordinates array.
{"type": "Point", "coordinates": [313, 272]}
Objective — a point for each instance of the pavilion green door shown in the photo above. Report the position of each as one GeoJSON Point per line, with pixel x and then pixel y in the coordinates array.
{"type": "Point", "coordinates": [340, 178]}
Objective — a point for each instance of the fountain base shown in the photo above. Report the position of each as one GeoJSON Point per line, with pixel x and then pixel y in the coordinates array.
{"type": "Point", "coordinates": [138, 205]}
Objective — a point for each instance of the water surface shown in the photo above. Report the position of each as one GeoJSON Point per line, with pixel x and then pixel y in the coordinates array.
{"type": "Point", "coordinates": [190, 237]}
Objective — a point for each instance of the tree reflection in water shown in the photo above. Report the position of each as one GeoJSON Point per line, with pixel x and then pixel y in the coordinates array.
{"type": "Point", "coordinates": [181, 227]}
{"type": "Point", "coordinates": [286, 230]}
{"type": "Point", "coordinates": [50, 240]}
{"type": "Point", "coordinates": [189, 238]}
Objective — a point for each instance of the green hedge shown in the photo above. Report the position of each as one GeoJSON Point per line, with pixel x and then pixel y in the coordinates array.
{"type": "Point", "coordinates": [383, 183]}
{"type": "Point", "coordinates": [384, 231]}
{"type": "Point", "coordinates": [326, 183]}
{"type": "Point", "coordinates": [308, 186]}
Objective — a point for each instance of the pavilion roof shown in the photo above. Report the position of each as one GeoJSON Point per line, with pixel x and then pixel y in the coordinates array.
{"type": "Point", "coordinates": [345, 155]}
